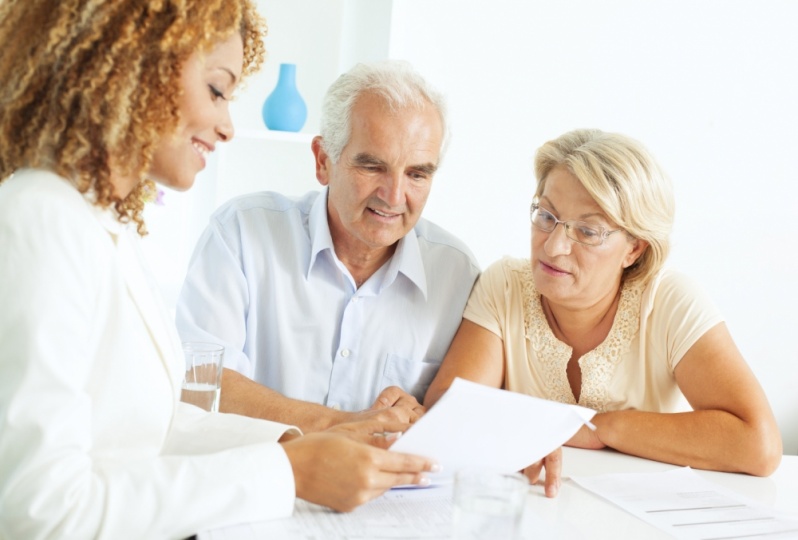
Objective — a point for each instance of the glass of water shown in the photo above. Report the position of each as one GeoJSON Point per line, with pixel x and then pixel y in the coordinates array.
{"type": "Point", "coordinates": [203, 380]}
{"type": "Point", "coordinates": [488, 504]}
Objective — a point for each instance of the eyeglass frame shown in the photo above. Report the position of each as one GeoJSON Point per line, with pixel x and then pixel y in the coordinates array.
{"type": "Point", "coordinates": [567, 225]}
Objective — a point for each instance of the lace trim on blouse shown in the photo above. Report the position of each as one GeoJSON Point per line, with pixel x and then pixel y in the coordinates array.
{"type": "Point", "coordinates": [598, 366]}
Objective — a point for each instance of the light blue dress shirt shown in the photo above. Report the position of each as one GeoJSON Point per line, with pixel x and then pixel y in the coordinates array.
{"type": "Point", "coordinates": [264, 281]}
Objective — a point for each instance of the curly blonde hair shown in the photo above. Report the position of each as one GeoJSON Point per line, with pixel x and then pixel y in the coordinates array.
{"type": "Point", "coordinates": [87, 82]}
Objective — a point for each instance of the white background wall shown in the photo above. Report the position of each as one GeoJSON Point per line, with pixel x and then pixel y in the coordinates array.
{"type": "Point", "coordinates": [709, 86]}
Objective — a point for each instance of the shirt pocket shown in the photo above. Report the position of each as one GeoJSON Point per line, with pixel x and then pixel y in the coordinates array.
{"type": "Point", "coordinates": [412, 376]}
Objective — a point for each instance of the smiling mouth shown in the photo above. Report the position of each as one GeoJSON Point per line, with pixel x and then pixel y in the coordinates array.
{"type": "Point", "coordinates": [383, 214]}
{"type": "Point", "coordinates": [201, 149]}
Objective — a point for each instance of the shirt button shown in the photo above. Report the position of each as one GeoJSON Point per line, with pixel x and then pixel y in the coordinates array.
{"type": "Point", "coordinates": [355, 299]}
{"type": "Point", "coordinates": [335, 406]}
{"type": "Point", "coordinates": [345, 353]}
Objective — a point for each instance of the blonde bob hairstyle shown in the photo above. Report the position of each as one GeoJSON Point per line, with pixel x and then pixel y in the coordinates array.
{"type": "Point", "coordinates": [625, 181]}
{"type": "Point", "coordinates": [89, 83]}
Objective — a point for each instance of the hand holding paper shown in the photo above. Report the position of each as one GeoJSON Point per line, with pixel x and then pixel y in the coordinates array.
{"type": "Point", "coordinates": [474, 425]}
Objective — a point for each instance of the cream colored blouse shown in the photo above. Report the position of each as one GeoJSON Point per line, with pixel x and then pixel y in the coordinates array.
{"type": "Point", "coordinates": [655, 325]}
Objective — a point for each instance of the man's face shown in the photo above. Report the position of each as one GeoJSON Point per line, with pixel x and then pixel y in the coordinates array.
{"type": "Point", "coordinates": [381, 182]}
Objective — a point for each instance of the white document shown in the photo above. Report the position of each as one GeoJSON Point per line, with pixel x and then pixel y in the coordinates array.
{"type": "Point", "coordinates": [686, 506]}
{"type": "Point", "coordinates": [473, 425]}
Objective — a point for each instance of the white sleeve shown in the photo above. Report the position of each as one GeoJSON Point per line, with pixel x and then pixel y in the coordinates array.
{"type": "Point", "coordinates": [52, 482]}
{"type": "Point", "coordinates": [214, 299]}
{"type": "Point", "coordinates": [195, 431]}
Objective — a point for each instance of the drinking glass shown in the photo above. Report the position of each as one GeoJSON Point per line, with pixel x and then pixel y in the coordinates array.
{"type": "Point", "coordinates": [488, 504]}
{"type": "Point", "coordinates": [203, 380]}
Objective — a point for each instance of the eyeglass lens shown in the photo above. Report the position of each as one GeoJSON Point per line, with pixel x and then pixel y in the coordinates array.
{"type": "Point", "coordinates": [580, 231]}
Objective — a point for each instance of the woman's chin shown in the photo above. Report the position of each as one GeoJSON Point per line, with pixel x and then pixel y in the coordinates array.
{"type": "Point", "coordinates": [182, 183]}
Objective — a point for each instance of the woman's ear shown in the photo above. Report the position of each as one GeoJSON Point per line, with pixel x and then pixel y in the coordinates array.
{"type": "Point", "coordinates": [638, 248]}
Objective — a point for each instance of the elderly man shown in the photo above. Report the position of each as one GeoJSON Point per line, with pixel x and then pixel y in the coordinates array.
{"type": "Point", "coordinates": [339, 305]}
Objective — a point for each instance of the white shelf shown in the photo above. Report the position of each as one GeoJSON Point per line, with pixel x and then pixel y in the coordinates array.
{"type": "Point", "coordinates": [270, 135]}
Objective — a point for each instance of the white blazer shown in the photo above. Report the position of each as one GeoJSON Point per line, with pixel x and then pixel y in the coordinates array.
{"type": "Point", "coordinates": [94, 442]}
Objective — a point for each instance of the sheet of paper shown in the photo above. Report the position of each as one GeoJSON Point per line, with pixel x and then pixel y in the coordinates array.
{"type": "Point", "coordinates": [685, 505]}
{"type": "Point", "coordinates": [419, 513]}
{"type": "Point", "coordinates": [473, 425]}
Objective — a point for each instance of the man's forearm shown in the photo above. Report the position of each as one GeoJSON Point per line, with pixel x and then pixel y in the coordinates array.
{"type": "Point", "coordinates": [241, 395]}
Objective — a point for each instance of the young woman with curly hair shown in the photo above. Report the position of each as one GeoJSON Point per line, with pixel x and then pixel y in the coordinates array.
{"type": "Point", "coordinates": [98, 98]}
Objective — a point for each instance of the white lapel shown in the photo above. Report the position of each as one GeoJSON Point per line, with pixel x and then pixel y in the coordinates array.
{"type": "Point", "coordinates": [147, 300]}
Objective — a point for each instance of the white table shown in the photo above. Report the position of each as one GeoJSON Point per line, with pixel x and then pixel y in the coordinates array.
{"type": "Point", "coordinates": [574, 514]}
{"type": "Point", "coordinates": [577, 513]}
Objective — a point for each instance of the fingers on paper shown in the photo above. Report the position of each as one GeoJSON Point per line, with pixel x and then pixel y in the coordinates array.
{"type": "Point", "coordinates": [373, 431]}
{"type": "Point", "coordinates": [384, 470]}
{"type": "Point", "coordinates": [396, 462]}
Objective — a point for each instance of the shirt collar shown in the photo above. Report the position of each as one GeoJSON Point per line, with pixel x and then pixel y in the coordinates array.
{"type": "Point", "coordinates": [405, 260]}
{"type": "Point", "coordinates": [319, 229]}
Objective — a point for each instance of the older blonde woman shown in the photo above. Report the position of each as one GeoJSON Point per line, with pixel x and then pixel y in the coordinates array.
{"type": "Point", "coordinates": [593, 318]}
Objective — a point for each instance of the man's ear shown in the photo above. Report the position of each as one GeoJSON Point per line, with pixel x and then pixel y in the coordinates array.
{"type": "Point", "coordinates": [639, 247]}
{"type": "Point", "coordinates": [323, 161]}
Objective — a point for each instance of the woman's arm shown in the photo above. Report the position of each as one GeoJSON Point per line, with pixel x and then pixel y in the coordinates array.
{"type": "Point", "coordinates": [476, 354]}
{"type": "Point", "coordinates": [731, 428]}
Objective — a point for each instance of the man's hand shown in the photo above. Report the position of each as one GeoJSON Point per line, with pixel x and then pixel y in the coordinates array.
{"type": "Point", "coordinates": [392, 405]}
{"type": "Point", "coordinates": [334, 469]}
{"type": "Point", "coordinates": [553, 465]}
{"type": "Point", "coordinates": [393, 396]}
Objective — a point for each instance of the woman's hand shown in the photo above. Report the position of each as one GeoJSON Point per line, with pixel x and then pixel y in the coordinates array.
{"type": "Point", "coordinates": [347, 465]}
{"type": "Point", "coordinates": [379, 433]}
{"type": "Point", "coordinates": [586, 438]}
{"type": "Point", "coordinates": [553, 465]}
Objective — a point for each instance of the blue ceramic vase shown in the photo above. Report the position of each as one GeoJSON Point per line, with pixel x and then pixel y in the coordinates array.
{"type": "Point", "coordinates": [284, 109]}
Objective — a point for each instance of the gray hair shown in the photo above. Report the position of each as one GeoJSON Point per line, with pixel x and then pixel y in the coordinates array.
{"type": "Point", "coordinates": [395, 81]}
{"type": "Point", "coordinates": [625, 181]}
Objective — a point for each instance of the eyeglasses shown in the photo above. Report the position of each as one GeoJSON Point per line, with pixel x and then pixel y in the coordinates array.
{"type": "Point", "coordinates": [578, 231]}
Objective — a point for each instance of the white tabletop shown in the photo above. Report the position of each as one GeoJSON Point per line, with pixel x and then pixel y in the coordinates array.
{"type": "Point", "coordinates": [575, 514]}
